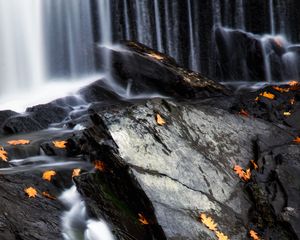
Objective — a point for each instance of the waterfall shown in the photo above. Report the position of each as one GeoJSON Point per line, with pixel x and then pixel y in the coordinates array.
{"type": "Point", "coordinates": [272, 20]}
{"type": "Point", "coordinates": [21, 45]}
{"type": "Point", "coordinates": [192, 58]}
{"type": "Point", "coordinates": [240, 16]}
{"type": "Point", "coordinates": [158, 26]}
{"type": "Point", "coordinates": [127, 24]}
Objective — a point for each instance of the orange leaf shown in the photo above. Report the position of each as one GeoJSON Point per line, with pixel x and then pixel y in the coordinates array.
{"type": "Point", "coordinates": [159, 120]}
{"type": "Point", "coordinates": [247, 175]}
{"type": "Point", "coordinates": [142, 219]}
{"type": "Point", "coordinates": [281, 90]}
{"type": "Point", "coordinates": [60, 144]}
{"type": "Point", "coordinates": [221, 236]}
{"type": "Point", "coordinates": [254, 164]}
{"type": "Point", "coordinates": [31, 192]}
{"type": "Point", "coordinates": [3, 154]}
{"type": "Point", "coordinates": [47, 195]}
{"type": "Point", "coordinates": [208, 222]}
{"type": "Point", "coordinates": [293, 83]}
{"type": "Point", "coordinates": [99, 165]}
{"type": "Point", "coordinates": [297, 140]}
{"type": "Point", "coordinates": [268, 95]}
{"type": "Point", "coordinates": [18, 142]}
{"type": "Point", "coordinates": [76, 172]}
{"type": "Point", "coordinates": [242, 174]}
{"type": "Point", "coordinates": [244, 113]}
{"type": "Point", "coordinates": [48, 175]}
{"type": "Point", "coordinates": [254, 235]}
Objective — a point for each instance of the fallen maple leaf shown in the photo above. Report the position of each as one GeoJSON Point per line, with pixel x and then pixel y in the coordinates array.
{"type": "Point", "coordinates": [76, 172]}
{"type": "Point", "coordinates": [208, 222]}
{"type": "Point", "coordinates": [18, 142]}
{"type": "Point", "coordinates": [48, 175]}
{"type": "Point", "coordinates": [267, 95]}
{"type": "Point", "coordinates": [242, 174]}
{"type": "Point", "coordinates": [221, 236]}
{"type": "Point", "coordinates": [47, 195]}
{"type": "Point", "coordinates": [60, 144]}
{"type": "Point", "coordinates": [142, 219]}
{"type": "Point", "coordinates": [244, 113]}
{"type": "Point", "coordinates": [156, 56]}
{"type": "Point", "coordinates": [99, 165]}
{"type": "Point", "coordinates": [254, 235]}
{"type": "Point", "coordinates": [31, 192]}
{"type": "Point", "coordinates": [160, 121]}
{"type": "Point", "coordinates": [254, 164]}
{"type": "Point", "coordinates": [3, 154]}
{"type": "Point", "coordinates": [281, 90]}
{"type": "Point", "coordinates": [297, 140]}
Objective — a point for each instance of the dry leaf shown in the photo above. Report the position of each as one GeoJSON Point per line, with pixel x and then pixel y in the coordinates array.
{"type": "Point", "coordinates": [244, 113]}
{"type": "Point", "coordinates": [254, 164]}
{"type": "Point", "coordinates": [292, 101]}
{"type": "Point", "coordinates": [297, 140]}
{"type": "Point", "coordinates": [254, 235]}
{"type": "Point", "coordinates": [268, 95]}
{"type": "Point", "coordinates": [293, 83]}
{"type": "Point", "coordinates": [3, 154]}
{"type": "Point", "coordinates": [18, 142]}
{"type": "Point", "coordinates": [99, 165]}
{"type": "Point", "coordinates": [47, 195]}
{"type": "Point", "coordinates": [31, 192]}
{"type": "Point", "coordinates": [48, 175]}
{"type": "Point", "coordinates": [142, 219]}
{"type": "Point", "coordinates": [76, 172]}
{"type": "Point", "coordinates": [257, 99]}
{"type": "Point", "coordinates": [60, 144]}
{"type": "Point", "coordinates": [287, 114]}
{"type": "Point", "coordinates": [160, 121]}
{"type": "Point", "coordinates": [221, 236]}
{"type": "Point", "coordinates": [208, 222]}
{"type": "Point", "coordinates": [281, 90]}
{"type": "Point", "coordinates": [242, 174]}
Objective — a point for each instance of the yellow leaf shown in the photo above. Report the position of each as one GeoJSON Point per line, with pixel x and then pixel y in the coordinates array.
{"type": "Point", "coordinates": [47, 195]}
{"type": "Point", "coordinates": [3, 154]}
{"type": "Point", "coordinates": [18, 142]}
{"type": "Point", "coordinates": [268, 95]}
{"type": "Point", "coordinates": [254, 235]}
{"type": "Point", "coordinates": [142, 219]}
{"type": "Point", "coordinates": [99, 165]}
{"type": "Point", "coordinates": [297, 140]}
{"type": "Point", "coordinates": [60, 144]}
{"type": "Point", "coordinates": [221, 236]}
{"type": "Point", "coordinates": [31, 192]}
{"type": "Point", "coordinates": [287, 114]}
{"type": "Point", "coordinates": [76, 172]}
{"type": "Point", "coordinates": [208, 222]}
{"type": "Point", "coordinates": [160, 121]}
{"type": "Point", "coordinates": [254, 164]}
{"type": "Point", "coordinates": [48, 175]}
{"type": "Point", "coordinates": [281, 90]}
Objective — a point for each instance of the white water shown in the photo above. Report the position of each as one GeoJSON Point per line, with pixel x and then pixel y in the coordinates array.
{"type": "Point", "coordinates": [272, 20]}
{"type": "Point", "coordinates": [192, 58]}
{"type": "Point", "coordinates": [158, 26]}
{"type": "Point", "coordinates": [75, 222]}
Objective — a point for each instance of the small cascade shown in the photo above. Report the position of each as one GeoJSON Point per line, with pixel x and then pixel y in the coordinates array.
{"type": "Point", "coordinates": [272, 20]}
{"type": "Point", "coordinates": [192, 58]}
{"type": "Point", "coordinates": [158, 26]}
{"type": "Point", "coordinates": [240, 15]}
{"type": "Point", "coordinates": [127, 22]}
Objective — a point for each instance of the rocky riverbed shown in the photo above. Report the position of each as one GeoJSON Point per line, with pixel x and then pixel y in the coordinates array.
{"type": "Point", "coordinates": [154, 168]}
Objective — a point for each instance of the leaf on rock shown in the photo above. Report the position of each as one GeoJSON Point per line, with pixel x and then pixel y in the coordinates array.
{"type": "Point", "coordinates": [268, 95]}
{"type": "Point", "coordinates": [48, 175]}
{"type": "Point", "coordinates": [18, 142]}
{"type": "Point", "coordinates": [156, 56]}
{"type": "Point", "coordinates": [254, 164]}
{"type": "Point", "coordinates": [3, 154]}
{"type": "Point", "coordinates": [221, 236]}
{"type": "Point", "coordinates": [60, 144]}
{"type": "Point", "coordinates": [242, 174]}
{"type": "Point", "coordinates": [281, 90]}
{"type": "Point", "coordinates": [142, 219]}
{"type": "Point", "coordinates": [159, 120]}
{"type": "Point", "coordinates": [297, 140]}
{"type": "Point", "coordinates": [31, 192]}
{"type": "Point", "coordinates": [254, 235]}
{"type": "Point", "coordinates": [292, 101]}
{"type": "Point", "coordinates": [208, 222]}
{"type": "Point", "coordinates": [48, 195]}
{"type": "Point", "coordinates": [287, 114]}
{"type": "Point", "coordinates": [76, 172]}
{"type": "Point", "coordinates": [99, 165]}
{"type": "Point", "coordinates": [293, 83]}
